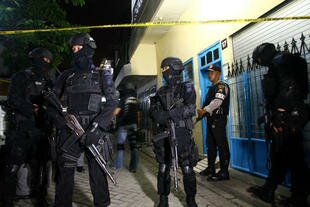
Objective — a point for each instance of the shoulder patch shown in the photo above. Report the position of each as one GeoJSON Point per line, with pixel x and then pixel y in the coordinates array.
{"type": "Point", "coordinates": [222, 87]}
{"type": "Point", "coordinates": [189, 87]}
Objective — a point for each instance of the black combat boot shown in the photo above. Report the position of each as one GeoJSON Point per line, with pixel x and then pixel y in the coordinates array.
{"type": "Point", "coordinates": [209, 171]}
{"type": "Point", "coordinates": [223, 174]}
{"type": "Point", "coordinates": [219, 176]}
{"type": "Point", "coordinates": [265, 192]}
{"type": "Point", "coordinates": [163, 201]}
{"type": "Point", "coordinates": [191, 202]}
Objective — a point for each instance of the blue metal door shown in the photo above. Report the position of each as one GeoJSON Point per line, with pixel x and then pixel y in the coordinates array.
{"type": "Point", "coordinates": [247, 146]}
{"type": "Point", "coordinates": [210, 56]}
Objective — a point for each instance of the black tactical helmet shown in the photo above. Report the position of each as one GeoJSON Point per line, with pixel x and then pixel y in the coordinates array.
{"type": "Point", "coordinates": [83, 39]}
{"type": "Point", "coordinates": [264, 53]}
{"type": "Point", "coordinates": [173, 62]}
{"type": "Point", "coordinates": [126, 86]}
{"type": "Point", "coordinates": [129, 86]}
{"type": "Point", "coordinates": [39, 53]}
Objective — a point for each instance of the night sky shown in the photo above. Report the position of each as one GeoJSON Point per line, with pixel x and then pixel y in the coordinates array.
{"type": "Point", "coordinates": [99, 12]}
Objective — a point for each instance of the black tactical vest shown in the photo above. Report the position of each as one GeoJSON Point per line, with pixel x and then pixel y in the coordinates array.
{"type": "Point", "coordinates": [35, 85]}
{"type": "Point", "coordinates": [83, 93]}
{"type": "Point", "coordinates": [171, 97]}
{"type": "Point", "coordinates": [286, 83]}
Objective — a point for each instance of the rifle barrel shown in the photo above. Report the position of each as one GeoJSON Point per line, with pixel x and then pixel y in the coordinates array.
{"type": "Point", "coordinates": [102, 163]}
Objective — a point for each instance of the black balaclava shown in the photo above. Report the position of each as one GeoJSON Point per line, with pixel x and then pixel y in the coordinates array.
{"type": "Point", "coordinates": [264, 53]}
{"type": "Point", "coordinates": [37, 60]}
{"type": "Point", "coordinates": [173, 74]}
{"type": "Point", "coordinates": [83, 58]}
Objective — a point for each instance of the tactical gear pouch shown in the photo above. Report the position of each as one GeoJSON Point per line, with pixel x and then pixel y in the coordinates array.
{"type": "Point", "coordinates": [94, 102]}
{"type": "Point", "coordinates": [299, 117]}
{"type": "Point", "coordinates": [107, 148]}
{"type": "Point", "coordinates": [189, 124]}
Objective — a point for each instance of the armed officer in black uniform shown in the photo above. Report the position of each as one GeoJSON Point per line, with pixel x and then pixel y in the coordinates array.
{"type": "Point", "coordinates": [175, 102]}
{"type": "Point", "coordinates": [127, 125]}
{"type": "Point", "coordinates": [88, 93]}
{"type": "Point", "coordinates": [216, 109]}
{"type": "Point", "coordinates": [285, 88]}
{"type": "Point", "coordinates": [28, 142]}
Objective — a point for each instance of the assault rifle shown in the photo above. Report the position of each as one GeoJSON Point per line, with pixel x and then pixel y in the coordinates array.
{"type": "Point", "coordinates": [170, 134]}
{"type": "Point", "coordinates": [78, 132]}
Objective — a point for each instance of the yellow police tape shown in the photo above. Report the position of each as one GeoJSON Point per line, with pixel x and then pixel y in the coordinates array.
{"type": "Point", "coordinates": [4, 81]}
{"type": "Point", "coordinates": [154, 24]}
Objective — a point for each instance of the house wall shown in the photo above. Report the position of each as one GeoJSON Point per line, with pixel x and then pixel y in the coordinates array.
{"type": "Point", "coordinates": [186, 42]}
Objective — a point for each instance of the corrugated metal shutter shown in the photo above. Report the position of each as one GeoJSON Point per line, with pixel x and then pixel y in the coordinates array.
{"type": "Point", "coordinates": [275, 32]}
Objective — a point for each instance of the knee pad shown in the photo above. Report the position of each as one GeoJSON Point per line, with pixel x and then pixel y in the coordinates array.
{"type": "Point", "coordinates": [120, 147]}
{"type": "Point", "coordinates": [187, 170]}
{"type": "Point", "coordinates": [163, 169]}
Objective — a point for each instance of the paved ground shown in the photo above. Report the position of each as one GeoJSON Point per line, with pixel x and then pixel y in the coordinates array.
{"type": "Point", "coordinates": [139, 189]}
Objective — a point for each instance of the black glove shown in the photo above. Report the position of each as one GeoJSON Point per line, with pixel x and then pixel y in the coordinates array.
{"type": "Point", "coordinates": [279, 118]}
{"type": "Point", "coordinates": [93, 134]}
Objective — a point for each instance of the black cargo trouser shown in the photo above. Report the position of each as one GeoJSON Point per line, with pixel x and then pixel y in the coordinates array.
{"type": "Point", "coordinates": [289, 156]}
{"type": "Point", "coordinates": [40, 169]}
{"type": "Point", "coordinates": [65, 178]}
{"type": "Point", "coordinates": [217, 141]}
{"type": "Point", "coordinates": [25, 147]}
{"type": "Point", "coordinates": [187, 157]}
